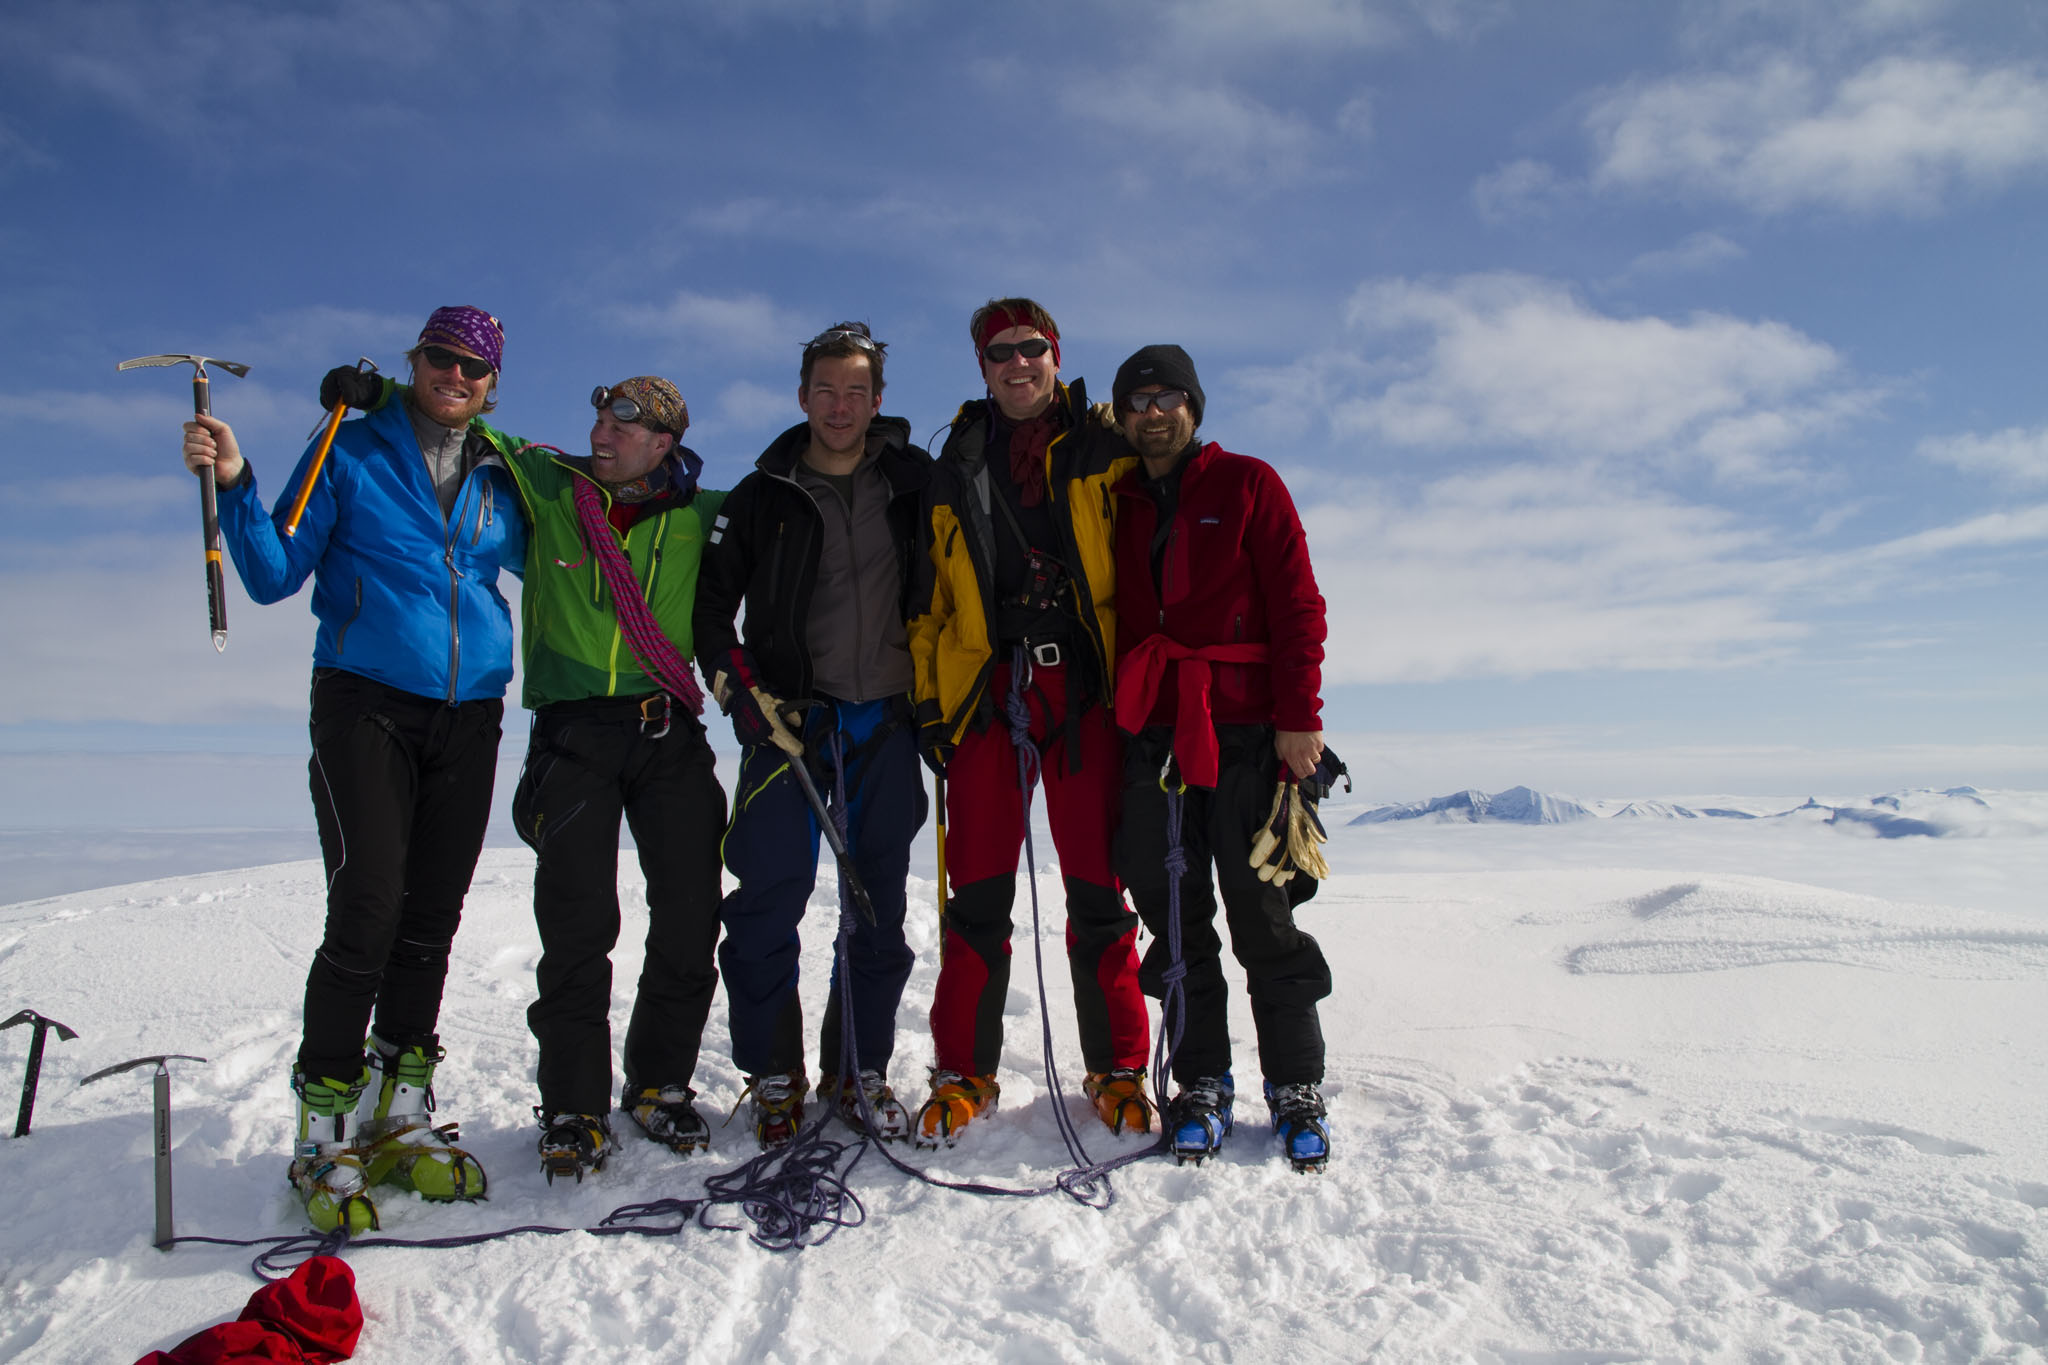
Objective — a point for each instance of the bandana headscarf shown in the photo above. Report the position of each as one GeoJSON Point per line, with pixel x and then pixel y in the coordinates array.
{"type": "Point", "coordinates": [470, 328]}
{"type": "Point", "coordinates": [1001, 320]}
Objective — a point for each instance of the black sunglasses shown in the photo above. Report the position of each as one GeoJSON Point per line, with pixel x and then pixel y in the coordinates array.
{"type": "Point", "coordinates": [441, 358]}
{"type": "Point", "coordinates": [1167, 400]}
{"type": "Point", "coordinates": [861, 340]}
{"type": "Point", "coordinates": [1031, 348]}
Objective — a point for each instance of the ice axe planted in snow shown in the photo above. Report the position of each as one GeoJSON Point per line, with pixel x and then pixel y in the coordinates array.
{"type": "Point", "coordinates": [163, 1130]}
{"type": "Point", "coordinates": [209, 510]}
{"type": "Point", "coordinates": [35, 1061]}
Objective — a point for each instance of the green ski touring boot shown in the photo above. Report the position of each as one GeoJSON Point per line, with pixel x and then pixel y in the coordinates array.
{"type": "Point", "coordinates": [327, 1167]}
{"type": "Point", "coordinates": [400, 1143]}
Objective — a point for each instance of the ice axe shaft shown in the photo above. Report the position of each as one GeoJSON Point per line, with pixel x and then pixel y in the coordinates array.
{"type": "Point", "coordinates": [830, 829]}
{"type": "Point", "coordinates": [35, 1062]}
{"type": "Point", "coordinates": [162, 1108]}
{"type": "Point", "coordinates": [334, 416]}
{"type": "Point", "coordinates": [209, 507]}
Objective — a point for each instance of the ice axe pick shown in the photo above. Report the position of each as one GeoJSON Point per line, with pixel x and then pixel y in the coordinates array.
{"type": "Point", "coordinates": [35, 1061]}
{"type": "Point", "coordinates": [202, 405]}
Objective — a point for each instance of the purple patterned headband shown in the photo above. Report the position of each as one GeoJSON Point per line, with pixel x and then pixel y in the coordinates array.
{"type": "Point", "coordinates": [470, 328]}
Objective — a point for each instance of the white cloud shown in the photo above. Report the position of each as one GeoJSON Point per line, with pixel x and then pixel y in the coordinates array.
{"type": "Point", "coordinates": [1902, 133]}
{"type": "Point", "coordinates": [1526, 188]}
{"type": "Point", "coordinates": [746, 406]}
{"type": "Point", "coordinates": [1994, 530]}
{"type": "Point", "coordinates": [1529, 570]}
{"type": "Point", "coordinates": [748, 323]}
{"type": "Point", "coordinates": [1697, 252]}
{"type": "Point", "coordinates": [1506, 359]}
{"type": "Point", "coordinates": [2014, 455]}
{"type": "Point", "coordinates": [1240, 139]}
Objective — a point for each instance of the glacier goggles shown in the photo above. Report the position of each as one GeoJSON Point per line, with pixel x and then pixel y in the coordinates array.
{"type": "Point", "coordinates": [441, 358]}
{"type": "Point", "coordinates": [861, 340]}
{"type": "Point", "coordinates": [619, 406]}
{"type": "Point", "coordinates": [999, 352]}
{"type": "Point", "coordinates": [1166, 400]}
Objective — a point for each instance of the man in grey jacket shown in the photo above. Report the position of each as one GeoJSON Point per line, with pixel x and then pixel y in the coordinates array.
{"type": "Point", "coordinates": [821, 544]}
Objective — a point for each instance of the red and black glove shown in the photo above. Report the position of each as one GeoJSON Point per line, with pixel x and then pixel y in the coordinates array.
{"type": "Point", "coordinates": [757, 716]}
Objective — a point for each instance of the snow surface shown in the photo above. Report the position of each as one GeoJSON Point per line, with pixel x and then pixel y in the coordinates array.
{"type": "Point", "coordinates": [1608, 1091]}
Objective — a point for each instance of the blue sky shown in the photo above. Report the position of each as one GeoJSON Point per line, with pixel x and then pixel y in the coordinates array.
{"type": "Point", "coordinates": [1661, 383]}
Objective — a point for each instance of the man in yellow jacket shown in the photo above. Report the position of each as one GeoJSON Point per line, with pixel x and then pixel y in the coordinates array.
{"type": "Point", "coordinates": [1013, 659]}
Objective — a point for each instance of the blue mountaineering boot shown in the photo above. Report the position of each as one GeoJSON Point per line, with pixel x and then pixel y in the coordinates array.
{"type": "Point", "coordinates": [400, 1143]}
{"type": "Point", "coordinates": [1298, 1115]}
{"type": "Point", "coordinates": [327, 1168]}
{"type": "Point", "coordinates": [1200, 1117]}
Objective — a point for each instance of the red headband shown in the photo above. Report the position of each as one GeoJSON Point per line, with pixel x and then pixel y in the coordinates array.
{"type": "Point", "coordinates": [1002, 320]}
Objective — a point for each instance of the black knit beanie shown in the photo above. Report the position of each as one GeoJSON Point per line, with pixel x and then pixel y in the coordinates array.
{"type": "Point", "coordinates": [1166, 365]}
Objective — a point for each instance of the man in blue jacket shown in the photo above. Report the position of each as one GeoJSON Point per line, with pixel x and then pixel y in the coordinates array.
{"type": "Point", "coordinates": [404, 532]}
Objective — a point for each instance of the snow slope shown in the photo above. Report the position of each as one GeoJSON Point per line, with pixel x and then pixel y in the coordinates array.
{"type": "Point", "coordinates": [1713, 1090]}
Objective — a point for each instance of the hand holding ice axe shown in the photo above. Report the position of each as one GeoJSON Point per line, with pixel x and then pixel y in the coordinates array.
{"type": "Point", "coordinates": [35, 1062]}
{"type": "Point", "coordinates": [209, 511]}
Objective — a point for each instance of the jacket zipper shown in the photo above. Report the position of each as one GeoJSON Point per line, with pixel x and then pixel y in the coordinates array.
{"type": "Point", "coordinates": [341, 640]}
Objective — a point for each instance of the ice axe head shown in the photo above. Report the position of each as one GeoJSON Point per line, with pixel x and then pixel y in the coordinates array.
{"type": "Point", "coordinates": [200, 402]}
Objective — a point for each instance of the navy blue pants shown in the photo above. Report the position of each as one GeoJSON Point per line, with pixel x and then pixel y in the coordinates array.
{"type": "Point", "coordinates": [772, 848]}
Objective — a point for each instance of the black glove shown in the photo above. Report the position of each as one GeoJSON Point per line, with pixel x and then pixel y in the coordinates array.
{"type": "Point", "coordinates": [757, 716]}
{"type": "Point", "coordinates": [360, 389]}
{"type": "Point", "coordinates": [934, 738]}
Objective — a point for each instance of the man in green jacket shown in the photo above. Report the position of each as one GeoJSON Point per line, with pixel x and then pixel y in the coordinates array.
{"type": "Point", "coordinates": [612, 563]}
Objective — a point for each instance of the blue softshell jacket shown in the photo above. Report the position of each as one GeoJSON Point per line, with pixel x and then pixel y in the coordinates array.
{"type": "Point", "coordinates": [402, 595]}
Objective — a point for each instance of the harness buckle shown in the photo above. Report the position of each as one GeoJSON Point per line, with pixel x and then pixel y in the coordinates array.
{"type": "Point", "coordinates": [1046, 655]}
{"type": "Point", "coordinates": [654, 713]}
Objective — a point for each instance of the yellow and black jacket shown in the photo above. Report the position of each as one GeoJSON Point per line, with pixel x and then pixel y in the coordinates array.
{"type": "Point", "coordinates": [950, 640]}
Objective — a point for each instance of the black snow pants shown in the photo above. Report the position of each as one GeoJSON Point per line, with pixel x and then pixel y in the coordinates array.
{"type": "Point", "coordinates": [589, 762]}
{"type": "Point", "coordinates": [1285, 971]}
{"type": "Point", "coordinates": [401, 792]}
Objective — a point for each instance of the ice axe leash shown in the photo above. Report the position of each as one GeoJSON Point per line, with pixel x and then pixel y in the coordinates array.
{"type": "Point", "coordinates": [35, 1061]}
{"type": "Point", "coordinates": [209, 508]}
{"type": "Point", "coordinates": [334, 416]}
{"type": "Point", "coordinates": [163, 1126]}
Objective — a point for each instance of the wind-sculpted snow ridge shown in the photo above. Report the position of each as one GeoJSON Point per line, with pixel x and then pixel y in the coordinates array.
{"type": "Point", "coordinates": [1721, 923]}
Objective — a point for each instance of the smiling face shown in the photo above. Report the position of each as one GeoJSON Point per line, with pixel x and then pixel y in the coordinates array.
{"type": "Point", "coordinates": [1022, 385]}
{"type": "Point", "coordinates": [621, 452]}
{"type": "Point", "coordinates": [447, 396]}
{"type": "Point", "coordinates": [840, 402]}
{"type": "Point", "coordinates": [1158, 437]}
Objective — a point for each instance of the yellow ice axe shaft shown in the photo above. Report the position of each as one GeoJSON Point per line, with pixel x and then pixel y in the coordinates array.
{"type": "Point", "coordinates": [334, 416]}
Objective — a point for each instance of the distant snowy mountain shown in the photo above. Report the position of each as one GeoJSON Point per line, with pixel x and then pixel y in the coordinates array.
{"type": "Point", "coordinates": [1668, 810]}
{"type": "Point", "coordinates": [1516, 806]}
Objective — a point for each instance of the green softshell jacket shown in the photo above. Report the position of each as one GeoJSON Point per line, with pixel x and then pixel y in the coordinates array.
{"type": "Point", "coordinates": [569, 637]}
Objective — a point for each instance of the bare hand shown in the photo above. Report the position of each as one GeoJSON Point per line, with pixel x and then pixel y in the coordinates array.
{"type": "Point", "coordinates": [1299, 750]}
{"type": "Point", "coordinates": [210, 441]}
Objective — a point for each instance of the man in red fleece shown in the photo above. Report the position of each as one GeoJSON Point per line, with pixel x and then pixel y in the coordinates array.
{"type": "Point", "coordinates": [1219, 674]}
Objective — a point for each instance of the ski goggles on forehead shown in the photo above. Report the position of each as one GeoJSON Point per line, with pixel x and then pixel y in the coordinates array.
{"type": "Point", "coordinates": [441, 358]}
{"type": "Point", "coordinates": [998, 352]}
{"type": "Point", "coordinates": [861, 340]}
{"type": "Point", "coordinates": [1169, 400]}
{"type": "Point", "coordinates": [618, 405]}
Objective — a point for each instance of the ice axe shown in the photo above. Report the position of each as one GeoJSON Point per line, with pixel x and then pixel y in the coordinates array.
{"type": "Point", "coordinates": [163, 1128]}
{"type": "Point", "coordinates": [209, 510]}
{"type": "Point", "coordinates": [35, 1061]}
{"type": "Point", "coordinates": [800, 765]}
{"type": "Point", "coordinates": [334, 416]}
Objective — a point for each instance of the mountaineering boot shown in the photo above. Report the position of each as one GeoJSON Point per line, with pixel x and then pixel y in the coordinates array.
{"type": "Point", "coordinates": [326, 1168]}
{"type": "Point", "coordinates": [778, 1108]}
{"type": "Point", "coordinates": [1200, 1117]}
{"type": "Point", "coordinates": [571, 1144]}
{"type": "Point", "coordinates": [1120, 1099]}
{"type": "Point", "coordinates": [892, 1120]}
{"type": "Point", "coordinates": [1298, 1115]}
{"type": "Point", "coordinates": [665, 1114]}
{"type": "Point", "coordinates": [955, 1102]}
{"type": "Point", "coordinates": [400, 1143]}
